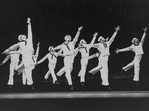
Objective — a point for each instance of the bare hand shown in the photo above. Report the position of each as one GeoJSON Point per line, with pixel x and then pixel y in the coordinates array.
{"type": "Point", "coordinates": [117, 28]}
{"type": "Point", "coordinates": [1, 64]}
{"type": "Point", "coordinates": [38, 44]}
{"type": "Point", "coordinates": [117, 51]}
{"type": "Point", "coordinates": [107, 38]}
{"type": "Point", "coordinates": [5, 52]}
{"type": "Point", "coordinates": [145, 29]}
{"type": "Point", "coordinates": [80, 28]}
{"type": "Point", "coordinates": [28, 20]}
{"type": "Point", "coordinates": [96, 33]}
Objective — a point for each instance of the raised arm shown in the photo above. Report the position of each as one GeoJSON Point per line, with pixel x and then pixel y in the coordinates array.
{"type": "Point", "coordinates": [124, 49]}
{"type": "Point", "coordinates": [30, 36]}
{"type": "Point", "coordinates": [77, 35]}
{"type": "Point", "coordinates": [114, 35]}
{"type": "Point", "coordinates": [94, 38]}
{"type": "Point", "coordinates": [37, 52]}
{"type": "Point", "coordinates": [144, 35]}
{"type": "Point", "coordinates": [43, 59]}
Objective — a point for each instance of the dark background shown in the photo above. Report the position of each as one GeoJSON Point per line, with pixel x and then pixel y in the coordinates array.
{"type": "Point", "coordinates": [53, 19]}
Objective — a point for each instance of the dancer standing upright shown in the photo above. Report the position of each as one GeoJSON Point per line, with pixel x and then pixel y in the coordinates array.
{"type": "Point", "coordinates": [84, 50]}
{"type": "Point", "coordinates": [68, 51]}
{"type": "Point", "coordinates": [52, 58]}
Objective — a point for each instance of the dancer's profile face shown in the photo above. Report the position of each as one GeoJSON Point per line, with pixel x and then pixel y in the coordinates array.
{"type": "Point", "coordinates": [50, 49]}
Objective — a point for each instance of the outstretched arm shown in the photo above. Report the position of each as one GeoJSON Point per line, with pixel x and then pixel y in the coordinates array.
{"type": "Point", "coordinates": [144, 35]}
{"type": "Point", "coordinates": [93, 56]}
{"type": "Point", "coordinates": [59, 53]}
{"type": "Point", "coordinates": [43, 59]}
{"type": "Point", "coordinates": [13, 47]}
{"type": "Point", "coordinates": [5, 60]}
{"type": "Point", "coordinates": [124, 49]}
{"type": "Point", "coordinates": [114, 35]}
{"type": "Point", "coordinates": [57, 47]}
{"type": "Point", "coordinates": [15, 52]}
{"type": "Point", "coordinates": [77, 35]}
{"type": "Point", "coordinates": [94, 38]}
{"type": "Point", "coordinates": [96, 45]}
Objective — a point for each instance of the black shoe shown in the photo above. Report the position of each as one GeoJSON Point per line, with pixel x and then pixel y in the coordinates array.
{"type": "Point", "coordinates": [71, 87]}
{"type": "Point", "coordinates": [10, 86]}
{"type": "Point", "coordinates": [56, 82]}
{"type": "Point", "coordinates": [82, 84]}
{"type": "Point", "coordinates": [137, 83]}
{"type": "Point", "coordinates": [32, 87]}
{"type": "Point", "coordinates": [123, 71]}
{"type": "Point", "coordinates": [107, 88]}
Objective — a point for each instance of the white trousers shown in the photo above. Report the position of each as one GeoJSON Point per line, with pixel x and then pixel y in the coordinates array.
{"type": "Point", "coordinates": [68, 67]}
{"type": "Point", "coordinates": [84, 63]}
{"type": "Point", "coordinates": [11, 74]}
{"type": "Point", "coordinates": [103, 68]}
{"type": "Point", "coordinates": [52, 72]}
{"type": "Point", "coordinates": [27, 61]}
{"type": "Point", "coordinates": [136, 64]}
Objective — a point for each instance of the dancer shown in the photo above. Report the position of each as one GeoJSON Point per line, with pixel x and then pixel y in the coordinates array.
{"type": "Point", "coordinates": [84, 50]}
{"type": "Point", "coordinates": [103, 47]}
{"type": "Point", "coordinates": [26, 49]}
{"type": "Point", "coordinates": [137, 48]}
{"type": "Point", "coordinates": [14, 60]}
{"type": "Point", "coordinates": [20, 68]}
{"type": "Point", "coordinates": [68, 51]}
{"type": "Point", "coordinates": [52, 58]}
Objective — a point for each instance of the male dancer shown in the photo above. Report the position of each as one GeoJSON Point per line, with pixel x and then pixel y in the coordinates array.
{"type": "Point", "coordinates": [26, 49]}
{"type": "Point", "coordinates": [52, 58]}
{"type": "Point", "coordinates": [103, 47]}
{"type": "Point", "coordinates": [137, 48]}
{"type": "Point", "coordinates": [68, 51]}
{"type": "Point", "coordinates": [14, 60]}
{"type": "Point", "coordinates": [84, 50]}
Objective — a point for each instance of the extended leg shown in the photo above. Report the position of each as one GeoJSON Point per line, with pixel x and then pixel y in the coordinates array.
{"type": "Point", "coordinates": [127, 67]}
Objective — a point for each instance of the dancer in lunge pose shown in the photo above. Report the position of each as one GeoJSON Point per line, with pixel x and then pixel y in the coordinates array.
{"type": "Point", "coordinates": [84, 50]}
{"type": "Point", "coordinates": [137, 48]}
{"type": "Point", "coordinates": [103, 47]}
{"type": "Point", "coordinates": [68, 51]}
{"type": "Point", "coordinates": [52, 58]}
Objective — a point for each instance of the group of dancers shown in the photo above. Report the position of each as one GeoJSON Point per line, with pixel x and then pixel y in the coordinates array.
{"type": "Point", "coordinates": [67, 50]}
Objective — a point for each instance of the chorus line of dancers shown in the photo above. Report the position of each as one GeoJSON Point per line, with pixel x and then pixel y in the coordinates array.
{"type": "Point", "coordinates": [68, 51]}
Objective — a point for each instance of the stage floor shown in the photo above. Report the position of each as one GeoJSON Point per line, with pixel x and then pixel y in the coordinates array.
{"type": "Point", "coordinates": [76, 94]}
